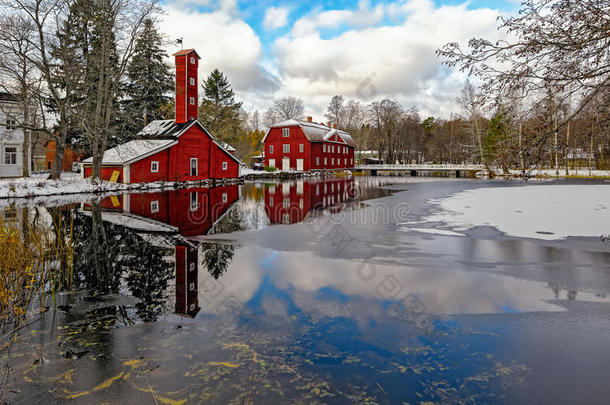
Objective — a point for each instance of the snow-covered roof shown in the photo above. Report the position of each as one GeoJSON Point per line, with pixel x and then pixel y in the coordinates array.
{"type": "Point", "coordinates": [314, 132]}
{"type": "Point", "coordinates": [133, 151]}
{"type": "Point", "coordinates": [163, 129]}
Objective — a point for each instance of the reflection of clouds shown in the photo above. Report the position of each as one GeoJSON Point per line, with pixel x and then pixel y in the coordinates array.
{"type": "Point", "coordinates": [307, 278]}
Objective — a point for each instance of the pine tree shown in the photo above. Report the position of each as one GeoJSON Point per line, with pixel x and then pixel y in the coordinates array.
{"type": "Point", "coordinates": [219, 112]}
{"type": "Point", "coordinates": [149, 81]}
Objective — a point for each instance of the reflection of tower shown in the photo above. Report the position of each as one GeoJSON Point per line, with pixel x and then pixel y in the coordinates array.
{"type": "Point", "coordinates": [187, 302]}
{"type": "Point", "coordinates": [572, 295]}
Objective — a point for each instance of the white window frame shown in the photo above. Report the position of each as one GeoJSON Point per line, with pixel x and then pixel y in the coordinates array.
{"type": "Point", "coordinates": [225, 197]}
{"type": "Point", "coordinates": [194, 206]}
{"type": "Point", "coordinates": [196, 167]}
{"type": "Point", "coordinates": [192, 100]}
{"type": "Point", "coordinates": [225, 165]}
{"type": "Point", "coordinates": [317, 161]}
{"type": "Point", "coordinates": [325, 161]}
{"type": "Point", "coordinates": [324, 148]}
{"type": "Point", "coordinates": [286, 132]}
{"type": "Point", "coordinates": [10, 158]}
{"type": "Point", "coordinates": [271, 149]}
{"type": "Point", "coordinates": [286, 203]}
{"type": "Point", "coordinates": [301, 148]}
{"type": "Point", "coordinates": [192, 60]}
{"type": "Point", "coordinates": [192, 81]}
{"type": "Point", "coordinates": [332, 161]}
{"type": "Point", "coordinates": [154, 166]}
{"type": "Point", "coordinates": [154, 206]}
{"type": "Point", "coordinates": [286, 148]}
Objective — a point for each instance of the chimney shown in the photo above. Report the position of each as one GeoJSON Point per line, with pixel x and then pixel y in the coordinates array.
{"type": "Point", "coordinates": [309, 119]}
{"type": "Point", "coordinates": [329, 124]}
{"type": "Point", "coordinates": [187, 64]}
{"type": "Point", "coordinates": [335, 126]}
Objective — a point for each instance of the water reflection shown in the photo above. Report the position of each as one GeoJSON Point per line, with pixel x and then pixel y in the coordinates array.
{"type": "Point", "coordinates": [159, 311]}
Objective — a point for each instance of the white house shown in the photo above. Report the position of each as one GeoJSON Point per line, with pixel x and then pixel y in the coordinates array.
{"type": "Point", "coordinates": [11, 137]}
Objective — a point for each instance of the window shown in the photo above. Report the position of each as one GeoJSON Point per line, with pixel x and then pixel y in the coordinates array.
{"type": "Point", "coordinates": [225, 198]}
{"type": "Point", "coordinates": [286, 202]}
{"type": "Point", "coordinates": [351, 161]}
{"type": "Point", "coordinates": [270, 200]}
{"type": "Point", "coordinates": [301, 148]}
{"type": "Point", "coordinates": [270, 149]}
{"type": "Point", "coordinates": [286, 148]}
{"type": "Point", "coordinates": [345, 161]}
{"type": "Point", "coordinates": [332, 161]}
{"type": "Point", "coordinates": [225, 165]}
{"type": "Point", "coordinates": [301, 204]}
{"type": "Point", "coordinates": [192, 287]}
{"type": "Point", "coordinates": [154, 207]}
{"type": "Point", "coordinates": [324, 148]}
{"type": "Point", "coordinates": [317, 161]}
{"type": "Point", "coordinates": [271, 189]}
{"type": "Point", "coordinates": [325, 161]}
{"type": "Point", "coordinates": [192, 60]}
{"type": "Point", "coordinates": [285, 132]}
{"type": "Point", "coordinates": [192, 81]}
{"type": "Point", "coordinates": [192, 100]}
{"type": "Point", "coordinates": [154, 167]}
{"type": "Point", "coordinates": [193, 166]}
{"type": "Point", "coordinates": [194, 198]}
{"type": "Point", "coordinates": [10, 155]}
{"type": "Point", "coordinates": [11, 124]}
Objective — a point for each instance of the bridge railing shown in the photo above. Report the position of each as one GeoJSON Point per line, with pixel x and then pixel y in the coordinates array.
{"type": "Point", "coordinates": [445, 166]}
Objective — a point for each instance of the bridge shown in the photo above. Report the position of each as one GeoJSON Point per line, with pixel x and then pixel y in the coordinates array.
{"type": "Point", "coordinates": [424, 167]}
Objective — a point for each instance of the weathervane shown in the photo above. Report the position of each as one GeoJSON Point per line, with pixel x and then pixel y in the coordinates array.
{"type": "Point", "coordinates": [179, 41]}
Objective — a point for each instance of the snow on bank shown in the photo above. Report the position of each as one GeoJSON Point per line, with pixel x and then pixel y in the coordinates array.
{"type": "Point", "coordinates": [70, 183]}
{"type": "Point", "coordinates": [583, 172]}
{"type": "Point", "coordinates": [546, 212]}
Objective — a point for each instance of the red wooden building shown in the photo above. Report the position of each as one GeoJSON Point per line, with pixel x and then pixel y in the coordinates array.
{"type": "Point", "coordinates": [172, 150]}
{"type": "Point", "coordinates": [305, 145]}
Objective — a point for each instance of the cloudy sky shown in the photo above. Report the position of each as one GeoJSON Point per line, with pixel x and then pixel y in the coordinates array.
{"type": "Point", "coordinates": [314, 49]}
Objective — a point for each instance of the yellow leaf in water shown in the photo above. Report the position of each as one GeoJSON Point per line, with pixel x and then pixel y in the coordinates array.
{"type": "Point", "coordinates": [223, 363]}
{"type": "Point", "coordinates": [77, 394]}
{"type": "Point", "coordinates": [171, 401]}
{"type": "Point", "coordinates": [135, 363]}
{"type": "Point", "coordinates": [109, 381]}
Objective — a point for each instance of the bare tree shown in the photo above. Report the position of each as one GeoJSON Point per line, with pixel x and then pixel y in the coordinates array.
{"type": "Point", "coordinates": [336, 110]}
{"type": "Point", "coordinates": [287, 108]}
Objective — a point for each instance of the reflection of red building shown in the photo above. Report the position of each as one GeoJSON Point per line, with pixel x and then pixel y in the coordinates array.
{"type": "Point", "coordinates": [186, 213]}
{"type": "Point", "coordinates": [289, 203]}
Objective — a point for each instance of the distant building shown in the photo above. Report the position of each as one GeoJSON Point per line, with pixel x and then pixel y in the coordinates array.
{"type": "Point", "coordinates": [305, 145]}
{"type": "Point", "coordinates": [11, 137]}
{"type": "Point", "coordinates": [172, 150]}
{"type": "Point", "coordinates": [71, 156]}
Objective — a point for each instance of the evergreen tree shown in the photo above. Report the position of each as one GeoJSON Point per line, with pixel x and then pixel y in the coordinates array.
{"type": "Point", "coordinates": [219, 112]}
{"type": "Point", "coordinates": [149, 81]}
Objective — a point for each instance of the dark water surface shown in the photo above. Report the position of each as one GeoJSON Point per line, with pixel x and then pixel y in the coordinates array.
{"type": "Point", "coordinates": [311, 292]}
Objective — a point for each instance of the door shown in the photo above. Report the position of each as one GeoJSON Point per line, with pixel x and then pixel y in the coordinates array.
{"type": "Point", "coordinates": [300, 164]}
{"type": "Point", "coordinates": [286, 164]}
{"type": "Point", "coordinates": [271, 162]}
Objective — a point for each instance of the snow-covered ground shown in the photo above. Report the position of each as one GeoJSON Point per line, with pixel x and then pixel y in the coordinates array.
{"type": "Point", "coordinates": [543, 211]}
{"type": "Point", "coordinates": [562, 172]}
{"type": "Point", "coordinates": [70, 183]}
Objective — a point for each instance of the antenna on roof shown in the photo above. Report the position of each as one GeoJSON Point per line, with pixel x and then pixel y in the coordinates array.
{"type": "Point", "coordinates": [179, 41]}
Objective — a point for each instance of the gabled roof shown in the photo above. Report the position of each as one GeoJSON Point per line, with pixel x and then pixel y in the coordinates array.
{"type": "Point", "coordinates": [164, 129]}
{"type": "Point", "coordinates": [133, 151]}
{"type": "Point", "coordinates": [314, 132]}
{"type": "Point", "coordinates": [186, 52]}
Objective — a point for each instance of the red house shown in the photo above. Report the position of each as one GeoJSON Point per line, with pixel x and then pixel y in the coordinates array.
{"type": "Point", "coordinates": [305, 145]}
{"type": "Point", "coordinates": [172, 150]}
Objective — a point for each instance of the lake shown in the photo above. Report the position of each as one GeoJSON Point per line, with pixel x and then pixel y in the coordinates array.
{"type": "Point", "coordinates": [344, 290]}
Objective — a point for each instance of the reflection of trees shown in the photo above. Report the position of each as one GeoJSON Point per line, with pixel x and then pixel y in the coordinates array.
{"type": "Point", "coordinates": [217, 257]}
{"type": "Point", "coordinates": [105, 252]}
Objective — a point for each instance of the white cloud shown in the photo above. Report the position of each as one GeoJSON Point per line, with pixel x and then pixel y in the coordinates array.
{"type": "Point", "coordinates": [223, 41]}
{"type": "Point", "coordinates": [370, 61]}
{"type": "Point", "coordinates": [276, 17]}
